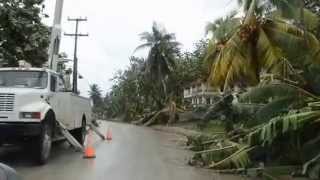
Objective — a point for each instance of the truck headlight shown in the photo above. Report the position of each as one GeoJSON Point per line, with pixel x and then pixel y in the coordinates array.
{"type": "Point", "coordinates": [30, 115]}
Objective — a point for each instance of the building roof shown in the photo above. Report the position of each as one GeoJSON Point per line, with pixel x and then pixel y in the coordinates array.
{"type": "Point", "coordinates": [195, 82]}
{"type": "Point", "coordinates": [26, 69]}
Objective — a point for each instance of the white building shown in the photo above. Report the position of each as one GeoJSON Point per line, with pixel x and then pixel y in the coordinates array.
{"type": "Point", "coordinates": [200, 93]}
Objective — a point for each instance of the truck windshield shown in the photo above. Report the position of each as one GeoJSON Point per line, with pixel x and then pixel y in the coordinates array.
{"type": "Point", "coordinates": [24, 79]}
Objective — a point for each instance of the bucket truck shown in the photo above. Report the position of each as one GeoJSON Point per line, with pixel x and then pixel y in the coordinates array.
{"type": "Point", "coordinates": [37, 105]}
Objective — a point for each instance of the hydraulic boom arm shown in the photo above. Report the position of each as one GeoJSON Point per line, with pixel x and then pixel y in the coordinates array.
{"type": "Point", "coordinates": [55, 37]}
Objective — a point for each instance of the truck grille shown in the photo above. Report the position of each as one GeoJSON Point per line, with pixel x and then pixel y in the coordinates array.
{"type": "Point", "coordinates": [6, 102]}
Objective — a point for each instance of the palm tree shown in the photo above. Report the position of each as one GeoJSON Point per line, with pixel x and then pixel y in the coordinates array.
{"type": "Point", "coordinates": [222, 28]}
{"type": "Point", "coordinates": [268, 40]}
{"type": "Point", "coordinates": [163, 50]}
{"type": "Point", "coordinates": [95, 95]}
{"type": "Point", "coordinates": [259, 44]}
{"type": "Point", "coordinates": [290, 9]}
{"type": "Point", "coordinates": [220, 31]}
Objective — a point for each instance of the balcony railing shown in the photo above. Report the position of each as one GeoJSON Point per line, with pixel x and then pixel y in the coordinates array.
{"type": "Point", "coordinates": [201, 93]}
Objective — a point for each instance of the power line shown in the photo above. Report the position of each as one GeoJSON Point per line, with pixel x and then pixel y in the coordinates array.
{"type": "Point", "coordinates": [75, 59]}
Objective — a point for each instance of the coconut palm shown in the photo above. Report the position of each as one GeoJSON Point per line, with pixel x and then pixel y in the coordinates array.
{"type": "Point", "coordinates": [95, 95]}
{"type": "Point", "coordinates": [290, 9]}
{"type": "Point", "coordinates": [260, 44]}
{"type": "Point", "coordinates": [220, 31]}
{"type": "Point", "coordinates": [163, 50]}
{"type": "Point", "coordinates": [222, 28]}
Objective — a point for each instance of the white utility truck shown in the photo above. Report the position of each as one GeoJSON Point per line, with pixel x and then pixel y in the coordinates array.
{"type": "Point", "coordinates": [37, 105]}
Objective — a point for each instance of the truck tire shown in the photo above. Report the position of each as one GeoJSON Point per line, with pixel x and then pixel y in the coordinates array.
{"type": "Point", "coordinates": [7, 173]}
{"type": "Point", "coordinates": [44, 142]}
{"type": "Point", "coordinates": [80, 133]}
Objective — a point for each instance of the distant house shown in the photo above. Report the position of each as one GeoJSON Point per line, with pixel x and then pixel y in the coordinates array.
{"type": "Point", "coordinates": [200, 93]}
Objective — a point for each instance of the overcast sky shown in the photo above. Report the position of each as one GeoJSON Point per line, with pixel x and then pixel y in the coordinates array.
{"type": "Point", "coordinates": [114, 27]}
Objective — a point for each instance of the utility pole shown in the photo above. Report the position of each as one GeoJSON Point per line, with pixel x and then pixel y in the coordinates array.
{"type": "Point", "coordinates": [75, 59]}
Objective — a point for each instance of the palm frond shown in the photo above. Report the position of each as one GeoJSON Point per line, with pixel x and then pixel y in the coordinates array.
{"type": "Point", "coordinates": [311, 20]}
{"type": "Point", "coordinates": [286, 8]}
{"type": "Point", "coordinates": [169, 37]}
{"type": "Point", "coordinates": [222, 28]}
{"type": "Point", "coordinates": [287, 35]}
{"type": "Point", "coordinates": [211, 27]}
{"type": "Point", "coordinates": [146, 36]}
{"type": "Point", "coordinates": [279, 125]}
{"type": "Point", "coordinates": [262, 94]}
{"type": "Point", "coordinates": [210, 54]}
{"type": "Point", "coordinates": [292, 10]}
{"type": "Point", "coordinates": [314, 46]}
{"type": "Point", "coordinates": [288, 43]}
{"type": "Point", "coordinates": [278, 107]}
{"type": "Point", "coordinates": [142, 46]}
{"type": "Point", "coordinates": [251, 6]}
{"type": "Point", "coordinates": [239, 159]}
{"type": "Point", "coordinates": [280, 27]}
{"type": "Point", "coordinates": [268, 53]}
{"type": "Point", "coordinates": [245, 4]}
{"type": "Point", "coordinates": [233, 63]}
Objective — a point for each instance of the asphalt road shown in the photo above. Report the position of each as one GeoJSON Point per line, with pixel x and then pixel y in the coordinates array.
{"type": "Point", "coordinates": [135, 153]}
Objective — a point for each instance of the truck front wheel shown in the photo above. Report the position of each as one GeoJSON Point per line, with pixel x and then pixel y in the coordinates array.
{"type": "Point", "coordinates": [44, 142]}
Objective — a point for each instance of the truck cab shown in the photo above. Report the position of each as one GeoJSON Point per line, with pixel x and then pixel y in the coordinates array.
{"type": "Point", "coordinates": [32, 100]}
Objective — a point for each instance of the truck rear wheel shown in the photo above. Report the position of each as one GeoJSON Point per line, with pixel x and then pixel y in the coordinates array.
{"type": "Point", "coordinates": [80, 133]}
{"type": "Point", "coordinates": [44, 142]}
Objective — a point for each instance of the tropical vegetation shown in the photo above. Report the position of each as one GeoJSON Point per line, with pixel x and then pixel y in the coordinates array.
{"type": "Point", "coordinates": [263, 59]}
{"type": "Point", "coordinates": [23, 36]}
{"type": "Point", "coordinates": [270, 50]}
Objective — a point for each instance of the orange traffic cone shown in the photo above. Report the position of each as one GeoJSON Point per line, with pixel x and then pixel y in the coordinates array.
{"type": "Point", "coordinates": [109, 135]}
{"type": "Point", "coordinates": [89, 151]}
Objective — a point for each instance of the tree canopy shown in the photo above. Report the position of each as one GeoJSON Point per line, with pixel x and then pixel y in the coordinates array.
{"type": "Point", "coordinates": [163, 52]}
{"type": "Point", "coordinates": [262, 42]}
{"type": "Point", "coordinates": [22, 34]}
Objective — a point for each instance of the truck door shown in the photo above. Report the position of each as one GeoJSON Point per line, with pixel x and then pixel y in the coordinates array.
{"type": "Point", "coordinates": [60, 100]}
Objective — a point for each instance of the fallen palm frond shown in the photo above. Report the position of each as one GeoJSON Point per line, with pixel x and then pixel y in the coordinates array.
{"type": "Point", "coordinates": [193, 146]}
{"type": "Point", "coordinates": [206, 157]}
{"type": "Point", "coordinates": [239, 159]}
{"type": "Point", "coordinates": [309, 163]}
{"type": "Point", "coordinates": [314, 105]}
{"type": "Point", "coordinates": [215, 150]}
{"type": "Point", "coordinates": [262, 94]}
{"type": "Point", "coordinates": [266, 134]}
{"type": "Point", "coordinates": [227, 155]}
{"type": "Point", "coordinates": [201, 142]}
{"type": "Point", "coordinates": [276, 107]}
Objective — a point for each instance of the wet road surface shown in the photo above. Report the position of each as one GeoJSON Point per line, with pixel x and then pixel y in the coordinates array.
{"type": "Point", "coordinates": [135, 153]}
